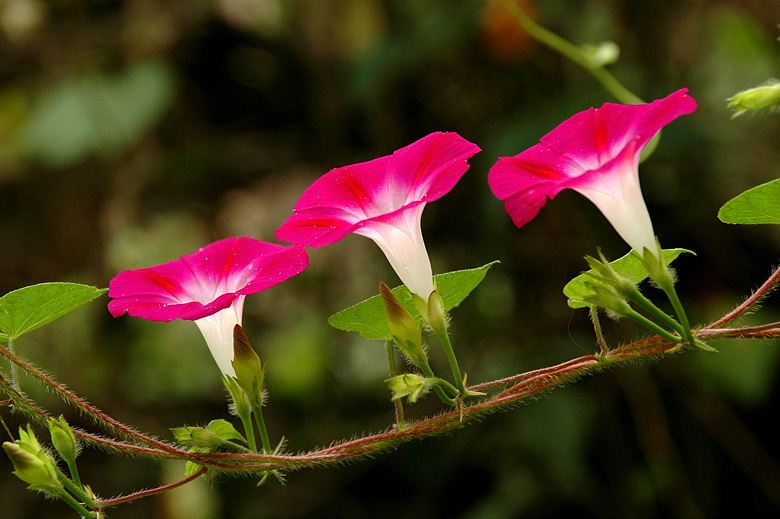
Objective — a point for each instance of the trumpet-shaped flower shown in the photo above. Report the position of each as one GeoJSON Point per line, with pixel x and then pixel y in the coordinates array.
{"type": "Point", "coordinates": [596, 153]}
{"type": "Point", "coordinates": [383, 199]}
{"type": "Point", "coordinates": [208, 286]}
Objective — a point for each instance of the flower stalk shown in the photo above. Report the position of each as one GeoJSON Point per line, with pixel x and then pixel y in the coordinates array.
{"type": "Point", "coordinates": [578, 55]}
{"type": "Point", "coordinates": [399, 406]}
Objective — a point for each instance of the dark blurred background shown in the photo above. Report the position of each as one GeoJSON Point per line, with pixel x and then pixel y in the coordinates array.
{"type": "Point", "coordinates": [132, 132]}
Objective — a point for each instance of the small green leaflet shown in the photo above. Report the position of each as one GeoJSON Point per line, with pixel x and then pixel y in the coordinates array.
{"type": "Point", "coordinates": [369, 320]}
{"type": "Point", "coordinates": [760, 204]}
{"type": "Point", "coordinates": [29, 308]}
{"type": "Point", "coordinates": [629, 266]}
{"type": "Point", "coordinates": [217, 435]}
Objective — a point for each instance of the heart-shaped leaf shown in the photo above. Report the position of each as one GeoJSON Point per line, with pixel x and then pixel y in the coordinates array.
{"type": "Point", "coordinates": [760, 204]}
{"type": "Point", "coordinates": [369, 320]}
{"type": "Point", "coordinates": [28, 308]}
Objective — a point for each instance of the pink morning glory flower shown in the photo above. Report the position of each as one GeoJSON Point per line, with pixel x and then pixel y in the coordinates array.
{"type": "Point", "coordinates": [596, 153]}
{"type": "Point", "coordinates": [208, 286]}
{"type": "Point", "coordinates": [383, 199]}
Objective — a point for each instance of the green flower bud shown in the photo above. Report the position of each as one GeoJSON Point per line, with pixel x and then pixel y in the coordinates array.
{"type": "Point", "coordinates": [601, 54]}
{"type": "Point", "coordinates": [755, 99]}
{"type": "Point", "coordinates": [437, 317]}
{"type": "Point", "coordinates": [32, 465]}
{"type": "Point", "coordinates": [246, 363]}
{"type": "Point", "coordinates": [409, 384]}
{"type": "Point", "coordinates": [603, 296]}
{"type": "Point", "coordinates": [403, 327]}
{"type": "Point", "coordinates": [64, 440]}
{"type": "Point", "coordinates": [204, 438]}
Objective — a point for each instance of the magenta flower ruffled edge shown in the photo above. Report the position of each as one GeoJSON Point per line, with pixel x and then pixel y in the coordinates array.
{"type": "Point", "coordinates": [383, 199]}
{"type": "Point", "coordinates": [207, 287]}
{"type": "Point", "coordinates": [596, 153]}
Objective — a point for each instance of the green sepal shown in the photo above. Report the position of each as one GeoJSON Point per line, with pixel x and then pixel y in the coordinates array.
{"type": "Point", "coordinates": [410, 385]}
{"type": "Point", "coordinates": [403, 327]}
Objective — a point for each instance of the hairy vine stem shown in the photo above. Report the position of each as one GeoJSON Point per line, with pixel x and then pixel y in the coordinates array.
{"type": "Point", "coordinates": [511, 391]}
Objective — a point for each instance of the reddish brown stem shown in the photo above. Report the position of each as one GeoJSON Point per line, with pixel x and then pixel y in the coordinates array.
{"type": "Point", "coordinates": [750, 302]}
{"type": "Point", "coordinates": [520, 387]}
{"type": "Point", "coordinates": [158, 448]}
{"type": "Point", "coordinates": [102, 503]}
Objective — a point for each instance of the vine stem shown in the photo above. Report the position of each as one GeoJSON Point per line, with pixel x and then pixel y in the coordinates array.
{"type": "Point", "coordinates": [516, 389]}
{"type": "Point", "coordinates": [446, 344]}
{"type": "Point", "coordinates": [600, 340]}
{"type": "Point", "coordinates": [158, 448]}
{"type": "Point", "coordinates": [399, 406]}
{"type": "Point", "coordinates": [522, 387]}
{"type": "Point", "coordinates": [571, 51]}
{"type": "Point", "coordinates": [102, 503]}
{"type": "Point", "coordinates": [750, 302]}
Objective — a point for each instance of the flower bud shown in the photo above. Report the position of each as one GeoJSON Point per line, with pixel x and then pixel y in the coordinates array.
{"type": "Point", "coordinates": [437, 317]}
{"type": "Point", "coordinates": [603, 296]}
{"type": "Point", "coordinates": [246, 363]}
{"type": "Point", "coordinates": [64, 440]}
{"type": "Point", "coordinates": [755, 99]}
{"type": "Point", "coordinates": [32, 465]}
{"type": "Point", "coordinates": [403, 327]}
{"type": "Point", "coordinates": [601, 54]}
{"type": "Point", "coordinates": [409, 384]}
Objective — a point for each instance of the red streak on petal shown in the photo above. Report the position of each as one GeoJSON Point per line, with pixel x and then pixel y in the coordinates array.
{"type": "Point", "coordinates": [541, 170]}
{"type": "Point", "coordinates": [424, 165]}
{"type": "Point", "coordinates": [602, 146]}
{"type": "Point", "coordinates": [229, 264]}
{"type": "Point", "coordinates": [329, 223]}
{"type": "Point", "coordinates": [163, 282]}
{"type": "Point", "coordinates": [361, 196]}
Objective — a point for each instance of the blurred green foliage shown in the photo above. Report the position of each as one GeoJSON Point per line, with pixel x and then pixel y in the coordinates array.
{"type": "Point", "coordinates": [135, 131]}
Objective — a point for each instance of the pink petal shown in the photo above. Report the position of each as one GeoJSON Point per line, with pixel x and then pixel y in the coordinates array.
{"type": "Point", "coordinates": [597, 135]}
{"type": "Point", "coordinates": [429, 168]}
{"type": "Point", "coordinates": [575, 152]}
{"type": "Point", "coordinates": [336, 203]}
{"type": "Point", "coordinates": [526, 181]}
{"type": "Point", "coordinates": [204, 282]}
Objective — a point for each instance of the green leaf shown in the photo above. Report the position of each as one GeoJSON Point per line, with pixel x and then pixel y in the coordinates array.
{"type": "Point", "coordinates": [369, 320]}
{"type": "Point", "coordinates": [28, 308]}
{"type": "Point", "coordinates": [225, 430]}
{"type": "Point", "coordinates": [629, 266]}
{"type": "Point", "coordinates": [760, 204]}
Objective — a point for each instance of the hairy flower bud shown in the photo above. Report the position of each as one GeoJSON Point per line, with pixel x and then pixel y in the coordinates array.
{"type": "Point", "coordinates": [403, 327]}
{"type": "Point", "coordinates": [764, 97]}
{"type": "Point", "coordinates": [409, 384]}
{"type": "Point", "coordinates": [246, 363]}
{"type": "Point", "coordinates": [63, 439]}
{"type": "Point", "coordinates": [32, 465]}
